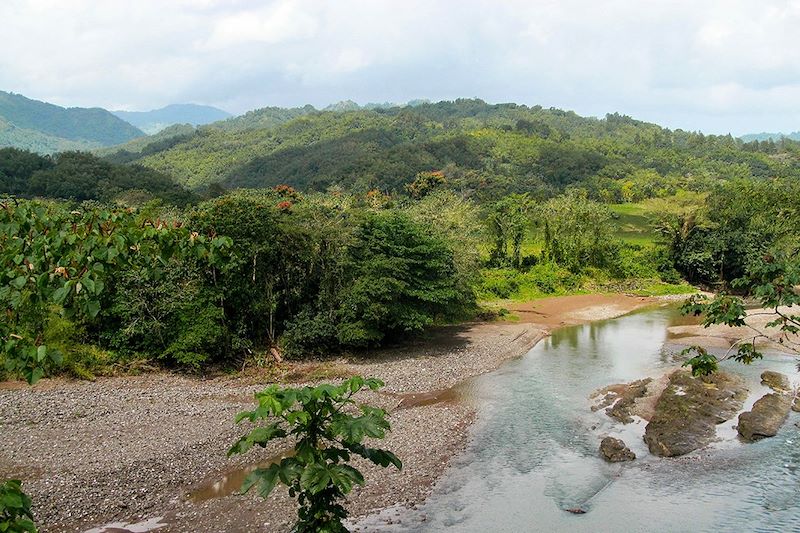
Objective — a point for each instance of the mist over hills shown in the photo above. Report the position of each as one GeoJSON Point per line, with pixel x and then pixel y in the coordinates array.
{"type": "Point", "coordinates": [764, 136]}
{"type": "Point", "coordinates": [156, 120]}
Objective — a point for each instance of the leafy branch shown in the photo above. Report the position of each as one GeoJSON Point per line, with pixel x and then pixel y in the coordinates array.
{"type": "Point", "coordinates": [326, 437]}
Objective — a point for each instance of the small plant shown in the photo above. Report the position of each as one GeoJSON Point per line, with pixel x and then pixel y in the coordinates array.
{"type": "Point", "coordinates": [318, 474]}
{"type": "Point", "coordinates": [15, 509]}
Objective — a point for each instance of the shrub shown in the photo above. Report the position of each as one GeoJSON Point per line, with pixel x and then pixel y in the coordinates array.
{"type": "Point", "coordinates": [327, 436]}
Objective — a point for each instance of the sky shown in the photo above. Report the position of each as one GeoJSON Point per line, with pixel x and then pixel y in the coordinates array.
{"type": "Point", "coordinates": [717, 66]}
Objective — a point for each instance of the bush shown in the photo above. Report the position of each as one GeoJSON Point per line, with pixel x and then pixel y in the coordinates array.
{"type": "Point", "coordinates": [543, 279]}
{"type": "Point", "coordinates": [403, 278]}
{"type": "Point", "coordinates": [328, 435]}
{"type": "Point", "coordinates": [309, 334]}
{"type": "Point", "coordinates": [500, 283]}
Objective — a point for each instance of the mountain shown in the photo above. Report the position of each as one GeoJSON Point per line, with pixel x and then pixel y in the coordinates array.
{"type": "Point", "coordinates": [750, 137]}
{"type": "Point", "coordinates": [263, 118]}
{"type": "Point", "coordinates": [481, 149]}
{"type": "Point", "coordinates": [156, 120]}
{"type": "Point", "coordinates": [48, 128]}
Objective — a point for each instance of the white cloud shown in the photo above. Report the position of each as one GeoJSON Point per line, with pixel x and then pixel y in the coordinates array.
{"type": "Point", "coordinates": [281, 22]}
{"type": "Point", "coordinates": [718, 65]}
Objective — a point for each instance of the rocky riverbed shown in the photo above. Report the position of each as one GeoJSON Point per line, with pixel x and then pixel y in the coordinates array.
{"type": "Point", "coordinates": [151, 449]}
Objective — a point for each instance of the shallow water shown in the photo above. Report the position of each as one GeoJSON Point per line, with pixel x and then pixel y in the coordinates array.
{"type": "Point", "coordinates": [533, 453]}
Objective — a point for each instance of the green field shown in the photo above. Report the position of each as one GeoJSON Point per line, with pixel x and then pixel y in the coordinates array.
{"type": "Point", "coordinates": [634, 224]}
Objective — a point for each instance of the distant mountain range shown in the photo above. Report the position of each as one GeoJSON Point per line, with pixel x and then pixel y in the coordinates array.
{"type": "Point", "coordinates": [47, 128]}
{"type": "Point", "coordinates": [750, 137]}
{"type": "Point", "coordinates": [156, 120]}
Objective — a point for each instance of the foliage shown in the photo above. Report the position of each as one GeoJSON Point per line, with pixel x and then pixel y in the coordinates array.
{"type": "Point", "coordinates": [456, 221]}
{"type": "Point", "coordinates": [402, 279]}
{"type": "Point", "coordinates": [774, 283]}
{"type": "Point", "coordinates": [425, 182]}
{"type": "Point", "coordinates": [15, 509]}
{"type": "Point", "coordinates": [508, 221]}
{"type": "Point", "coordinates": [483, 150]}
{"type": "Point", "coordinates": [326, 436]}
{"type": "Point", "coordinates": [52, 256]}
{"type": "Point", "coordinates": [577, 232]}
{"type": "Point", "coordinates": [542, 279]}
{"type": "Point", "coordinates": [82, 176]}
{"type": "Point", "coordinates": [716, 239]}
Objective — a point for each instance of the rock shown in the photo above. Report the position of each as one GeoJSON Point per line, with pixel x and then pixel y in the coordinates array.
{"type": "Point", "coordinates": [796, 406]}
{"type": "Point", "coordinates": [614, 450]}
{"type": "Point", "coordinates": [766, 418]}
{"type": "Point", "coordinates": [619, 400]}
{"type": "Point", "coordinates": [575, 510]}
{"type": "Point", "coordinates": [689, 409]}
{"type": "Point", "coordinates": [775, 381]}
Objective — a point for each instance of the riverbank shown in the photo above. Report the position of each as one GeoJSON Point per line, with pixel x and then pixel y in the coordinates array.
{"type": "Point", "coordinates": [127, 450]}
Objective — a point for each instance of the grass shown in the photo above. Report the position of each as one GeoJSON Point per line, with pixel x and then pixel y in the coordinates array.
{"type": "Point", "coordinates": [660, 288]}
{"type": "Point", "coordinates": [634, 224]}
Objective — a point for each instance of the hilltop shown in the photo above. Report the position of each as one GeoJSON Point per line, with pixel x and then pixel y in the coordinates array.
{"type": "Point", "coordinates": [156, 120]}
{"type": "Point", "coordinates": [47, 128]}
{"type": "Point", "coordinates": [483, 149]}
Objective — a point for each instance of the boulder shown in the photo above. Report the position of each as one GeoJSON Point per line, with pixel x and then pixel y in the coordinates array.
{"type": "Point", "coordinates": [775, 381]}
{"type": "Point", "coordinates": [620, 400]}
{"type": "Point", "coordinates": [766, 418]}
{"type": "Point", "coordinates": [689, 409]}
{"type": "Point", "coordinates": [614, 450]}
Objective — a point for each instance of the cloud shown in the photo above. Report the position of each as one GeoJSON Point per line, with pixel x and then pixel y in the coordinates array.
{"type": "Point", "coordinates": [719, 65]}
{"type": "Point", "coordinates": [277, 23]}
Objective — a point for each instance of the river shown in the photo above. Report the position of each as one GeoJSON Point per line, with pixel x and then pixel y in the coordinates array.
{"type": "Point", "coordinates": [533, 452]}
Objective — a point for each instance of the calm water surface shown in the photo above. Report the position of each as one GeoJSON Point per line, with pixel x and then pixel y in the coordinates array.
{"type": "Point", "coordinates": [533, 453]}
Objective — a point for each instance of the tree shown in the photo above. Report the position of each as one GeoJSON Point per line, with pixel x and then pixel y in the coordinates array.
{"type": "Point", "coordinates": [326, 437]}
{"type": "Point", "coordinates": [508, 221]}
{"type": "Point", "coordinates": [578, 232]}
{"type": "Point", "coordinates": [774, 283]}
{"type": "Point", "coordinates": [51, 256]}
{"type": "Point", "coordinates": [425, 182]}
{"type": "Point", "coordinates": [400, 279]}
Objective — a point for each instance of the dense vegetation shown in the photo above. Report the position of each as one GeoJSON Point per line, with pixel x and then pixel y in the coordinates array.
{"type": "Point", "coordinates": [483, 150]}
{"type": "Point", "coordinates": [44, 127]}
{"type": "Point", "coordinates": [83, 176]}
{"type": "Point", "coordinates": [106, 287]}
{"type": "Point", "coordinates": [426, 211]}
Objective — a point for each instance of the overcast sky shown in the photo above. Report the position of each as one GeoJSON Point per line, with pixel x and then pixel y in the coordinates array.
{"type": "Point", "coordinates": [717, 66]}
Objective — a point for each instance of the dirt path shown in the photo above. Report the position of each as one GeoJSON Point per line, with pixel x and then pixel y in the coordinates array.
{"type": "Point", "coordinates": [127, 450]}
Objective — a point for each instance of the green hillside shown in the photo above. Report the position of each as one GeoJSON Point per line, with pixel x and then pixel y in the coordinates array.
{"type": "Point", "coordinates": [36, 141]}
{"type": "Point", "coordinates": [47, 128]}
{"type": "Point", "coordinates": [483, 149]}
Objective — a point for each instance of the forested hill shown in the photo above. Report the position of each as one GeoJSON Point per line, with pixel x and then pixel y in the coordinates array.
{"type": "Point", "coordinates": [47, 128]}
{"type": "Point", "coordinates": [156, 120]}
{"type": "Point", "coordinates": [480, 148]}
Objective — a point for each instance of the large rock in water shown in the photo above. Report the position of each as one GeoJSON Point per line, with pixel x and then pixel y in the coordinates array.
{"type": "Point", "coordinates": [614, 450]}
{"type": "Point", "coordinates": [776, 381]}
{"type": "Point", "coordinates": [767, 416]}
{"type": "Point", "coordinates": [689, 409]}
